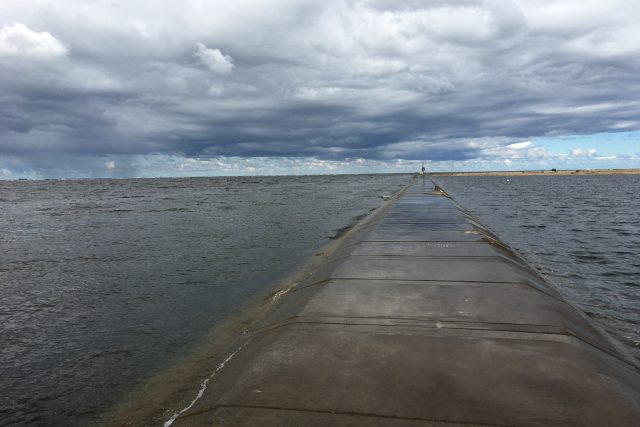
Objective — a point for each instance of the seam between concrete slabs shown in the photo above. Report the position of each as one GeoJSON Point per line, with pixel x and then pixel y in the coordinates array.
{"type": "Point", "coordinates": [347, 413]}
{"type": "Point", "coordinates": [430, 282]}
{"type": "Point", "coordinates": [471, 330]}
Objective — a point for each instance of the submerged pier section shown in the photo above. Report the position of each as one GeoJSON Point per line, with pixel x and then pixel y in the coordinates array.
{"type": "Point", "coordinates": [422, 317]}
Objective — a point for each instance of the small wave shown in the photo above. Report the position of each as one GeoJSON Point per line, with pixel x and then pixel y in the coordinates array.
{"type": "Point", "coordinates": [168, 210]}
{"type": "Point", "coordinates": [612, 273]}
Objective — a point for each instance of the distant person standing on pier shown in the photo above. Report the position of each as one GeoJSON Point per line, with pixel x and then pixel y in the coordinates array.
{"type": "Point", "coordinates": [422, 171]}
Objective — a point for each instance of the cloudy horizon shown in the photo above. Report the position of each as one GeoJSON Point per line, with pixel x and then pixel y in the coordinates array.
{"type": "Point", "coordinates": [146, 88]}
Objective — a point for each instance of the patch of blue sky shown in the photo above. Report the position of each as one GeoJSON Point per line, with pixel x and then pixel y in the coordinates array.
{"type": "Point", "coordinates": [619, 144]}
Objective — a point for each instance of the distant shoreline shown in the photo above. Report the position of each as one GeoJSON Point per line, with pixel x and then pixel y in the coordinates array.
{"type": "Point", "coordinates": [543, 172]}
{"type": "Point", "coordinates": [635, 171]}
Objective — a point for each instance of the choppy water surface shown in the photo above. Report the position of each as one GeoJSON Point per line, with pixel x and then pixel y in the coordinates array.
{"type": "Point", "coordinates": [104, 281]}
{"type": "Point", "coordinates": [581, 232]}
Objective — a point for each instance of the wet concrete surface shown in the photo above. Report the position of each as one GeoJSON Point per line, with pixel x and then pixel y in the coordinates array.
{"type": "Point", "coordinates": [423, 318]}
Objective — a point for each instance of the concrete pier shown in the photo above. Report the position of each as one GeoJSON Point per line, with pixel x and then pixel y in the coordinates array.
{"type": "Point", "coordinates": [423, 317]}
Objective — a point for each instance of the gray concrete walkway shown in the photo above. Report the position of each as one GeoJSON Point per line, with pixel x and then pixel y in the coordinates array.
{"type": "Point", "coordinates": [423, 317]}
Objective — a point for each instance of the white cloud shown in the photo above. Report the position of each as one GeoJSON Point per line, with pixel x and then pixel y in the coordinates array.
{"type": "Point", "coordinates": [216, 90]}
{"type": "Point", "coordinates": [583, 152]}
{"type": "Point", "coordinates": [19, 41]}
{"type": "Point", "coordinates": [110, 165]}
{"type": "Point", "coordinates": [624, 125]}
{"type": "Point", "coordinates": [520, 145]}
{"type": "Point", "coordinates": [454, 81]}
{"type": "Point", "coordinates": [214, 60]}
{"type": "Point", "coordinates": [498, 149]}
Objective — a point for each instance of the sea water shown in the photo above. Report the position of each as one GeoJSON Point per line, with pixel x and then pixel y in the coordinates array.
{"type": "Point", "coordinates": [105, 283]}
{"type": "Point", "coordinates": [581, 232]}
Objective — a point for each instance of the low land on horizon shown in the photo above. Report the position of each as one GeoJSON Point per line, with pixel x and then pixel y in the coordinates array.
{"type": "Point", "coordinates": [542, 172]}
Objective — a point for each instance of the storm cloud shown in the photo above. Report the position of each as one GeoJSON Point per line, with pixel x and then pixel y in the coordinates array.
{"type": "Point", "coordinates": [331, 81]}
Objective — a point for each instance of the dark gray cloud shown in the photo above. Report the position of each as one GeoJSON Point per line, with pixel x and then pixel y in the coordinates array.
{"type": "Point", "coordinates": [379, 79]}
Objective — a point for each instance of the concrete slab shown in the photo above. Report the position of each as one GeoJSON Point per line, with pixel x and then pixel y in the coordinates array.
{"type": "Point", "coordinates": [417, 207]}
{"type": "Point", "coordinates": [440, 216]}
{"type": "Point", "coordinates": [471, 379]}
{"type": "Point", "coordinates": [452, 269]}
{"type": "Point", "coordinates": [410, 235]}
{"type": "Point", "coordinates": [427, 202]}
{"type": "Point", "coordinates": [423, 317]}
{"type": "Point", "coordinates": [441, 305]}
{"type": "Point", "coordinates": [432, 249]}
{"type": "Point", "coordinates": [407, 225]}
{"type": "Point", "coordinates": [277, 417]}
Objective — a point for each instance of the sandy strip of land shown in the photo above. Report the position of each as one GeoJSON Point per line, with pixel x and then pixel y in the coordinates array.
{"type": "Point", "coordinates": [543, 172]}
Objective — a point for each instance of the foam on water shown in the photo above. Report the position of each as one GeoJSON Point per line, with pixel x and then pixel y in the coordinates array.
{"type": "Point", "coordinates": [203, 386]}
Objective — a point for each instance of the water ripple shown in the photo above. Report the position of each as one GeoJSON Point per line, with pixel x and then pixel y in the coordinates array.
{"type": "Point", "coordinates": [105, 282]}
{"type": "Point", "coordinates": [581, 232]}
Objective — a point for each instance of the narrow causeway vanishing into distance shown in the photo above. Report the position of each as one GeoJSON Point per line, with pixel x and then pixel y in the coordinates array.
{"type": "Point", "coordinates": [423, 317]}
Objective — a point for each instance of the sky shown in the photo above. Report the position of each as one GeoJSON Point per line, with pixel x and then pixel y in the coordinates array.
{"type": "Point", "coordinates": [255, 87]}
